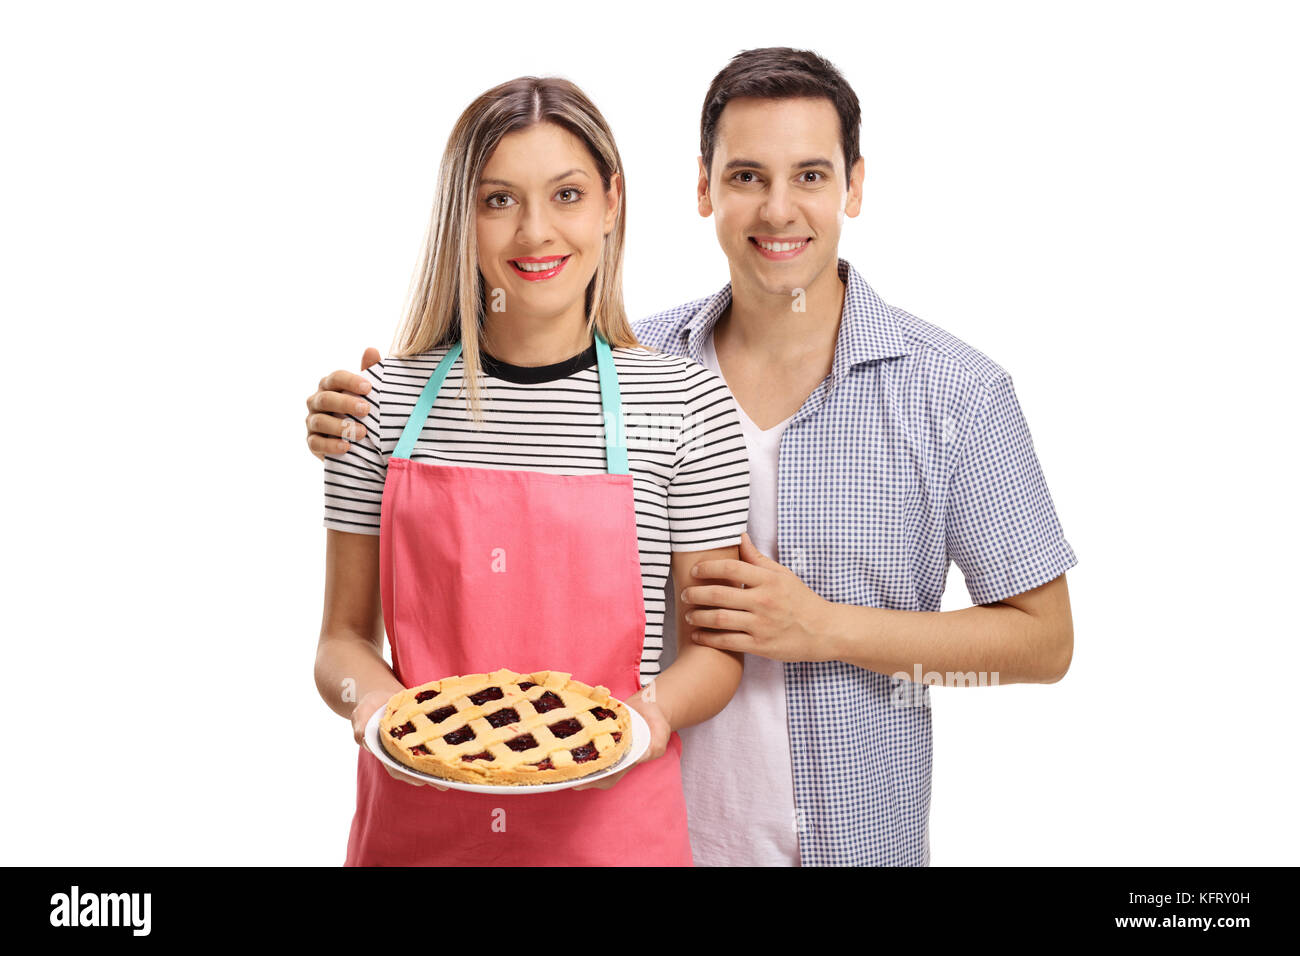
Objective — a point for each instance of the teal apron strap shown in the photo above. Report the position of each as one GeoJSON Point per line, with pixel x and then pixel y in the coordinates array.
{"type": "Point", "coordinates": [415, 424]}
{"type": "Point", "coordinates": [611, 406]}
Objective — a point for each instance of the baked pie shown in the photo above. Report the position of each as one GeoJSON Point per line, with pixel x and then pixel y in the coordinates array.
{"type": "Point", "coordinates": [506, 728]}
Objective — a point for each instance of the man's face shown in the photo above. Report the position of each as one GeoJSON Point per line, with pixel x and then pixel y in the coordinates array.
{"type": "Point", "coordinates": [779, 192]}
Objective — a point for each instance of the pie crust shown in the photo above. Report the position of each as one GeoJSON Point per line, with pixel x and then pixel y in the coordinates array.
{"type": "Point", "coordinates": [506, 728]}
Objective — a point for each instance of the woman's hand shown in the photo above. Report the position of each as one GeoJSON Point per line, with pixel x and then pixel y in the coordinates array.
{"type": "Point", "coordinates": [361, 714]}
{"type": "Point", "coordinates": [660, 731]}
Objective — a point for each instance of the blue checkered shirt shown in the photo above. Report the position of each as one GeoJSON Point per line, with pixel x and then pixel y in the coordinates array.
{"type": "Point", "coordinates": [912, 453]}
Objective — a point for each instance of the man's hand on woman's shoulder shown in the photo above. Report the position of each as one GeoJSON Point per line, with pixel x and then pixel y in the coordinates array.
{"type": "Point", "coordinates": [336, 397]}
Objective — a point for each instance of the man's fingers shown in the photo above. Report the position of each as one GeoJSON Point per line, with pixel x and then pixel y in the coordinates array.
{"type": "Point", "coordinates": [321, 446]}
{"type": "Point", "coordinates": [335, 402]}
{"type": "Point", "coordinates": [725, 640]}
{"type": "Point", "coordinates": [719, 595]}
{"type": "Point", "coordinates": [727, 569]}
{"type": "Point", "coordinates": [341, 380]}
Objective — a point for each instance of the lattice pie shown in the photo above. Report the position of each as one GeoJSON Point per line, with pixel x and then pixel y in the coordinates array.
{"type": "Point", "coordinates": [506, 728]}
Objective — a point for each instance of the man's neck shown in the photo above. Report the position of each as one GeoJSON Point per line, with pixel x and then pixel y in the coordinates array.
{"type": "Point", "coordinates": [771, 329]}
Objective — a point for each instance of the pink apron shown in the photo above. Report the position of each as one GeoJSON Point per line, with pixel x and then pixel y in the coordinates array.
{"type": "Point", "coordinates": [482, 569]}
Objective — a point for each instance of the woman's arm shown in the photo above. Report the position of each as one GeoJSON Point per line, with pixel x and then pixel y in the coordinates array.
{"type": "Point", "coordinates": [697, 685]}
{"type": "Point", "coordinates": [351, 674]}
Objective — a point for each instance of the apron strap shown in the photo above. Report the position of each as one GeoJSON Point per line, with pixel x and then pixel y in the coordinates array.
{"type": "Point", "coordinates": [611, 406]}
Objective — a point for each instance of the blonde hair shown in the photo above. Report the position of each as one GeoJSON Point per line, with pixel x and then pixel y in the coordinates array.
{"type": "Point", "coordinates": [449, 286]}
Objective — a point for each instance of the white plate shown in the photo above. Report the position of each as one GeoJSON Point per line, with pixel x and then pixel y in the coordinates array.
{"type": "Point", "coordinates": [640, 744]}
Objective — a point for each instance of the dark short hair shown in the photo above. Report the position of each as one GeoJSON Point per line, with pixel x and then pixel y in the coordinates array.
{"type": "Point", "coordinates": [778, 73]}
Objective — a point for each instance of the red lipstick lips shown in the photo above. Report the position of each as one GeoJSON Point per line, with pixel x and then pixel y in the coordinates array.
{"type": "Point", "coordinates": [539, 270]}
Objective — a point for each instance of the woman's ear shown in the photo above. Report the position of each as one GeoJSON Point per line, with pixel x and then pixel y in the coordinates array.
{"type": "Point", "coordinates": [612, 197]}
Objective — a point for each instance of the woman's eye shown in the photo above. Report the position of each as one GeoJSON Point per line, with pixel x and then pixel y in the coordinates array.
{"type": "Point", "coordinates": [569, 194]}
{"type": "Point", "coordinates": [498, 201]}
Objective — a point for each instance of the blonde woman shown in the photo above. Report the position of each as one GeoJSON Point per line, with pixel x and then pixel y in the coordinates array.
{"type": "Point", "coordinates": [486, 437]}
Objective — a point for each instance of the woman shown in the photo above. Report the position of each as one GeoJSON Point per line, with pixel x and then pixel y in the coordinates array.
{"type": "Point", "coordinates": [520, 523]}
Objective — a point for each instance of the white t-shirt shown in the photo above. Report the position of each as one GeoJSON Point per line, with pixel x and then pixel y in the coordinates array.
{"type": "Point", "coordinates": [736, 768]}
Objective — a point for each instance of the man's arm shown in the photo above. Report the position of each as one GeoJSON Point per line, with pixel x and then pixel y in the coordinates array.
{"type": "Point", "coordinates": [1028, 638]}
{"type": "Point", "coordinates": [759, 606]}
{"type": "Point", "coordinates": [336, 397]}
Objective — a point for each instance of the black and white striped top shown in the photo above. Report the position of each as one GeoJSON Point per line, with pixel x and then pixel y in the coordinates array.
{"type": "Point", "coordinates": [686, 450]}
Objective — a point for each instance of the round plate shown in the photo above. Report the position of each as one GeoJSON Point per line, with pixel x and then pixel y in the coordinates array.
{"type": "Point", "coordinates": [640, 744]}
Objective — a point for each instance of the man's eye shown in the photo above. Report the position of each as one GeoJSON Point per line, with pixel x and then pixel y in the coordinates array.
{"type": "Point", "coordinates": [569, 194]}
{"type": "Point", "coordinates": [741, 176]}
{"type": "Point", "coordinates": [499, 201]}
{"type": "Point", "coordinates": [813, 172]}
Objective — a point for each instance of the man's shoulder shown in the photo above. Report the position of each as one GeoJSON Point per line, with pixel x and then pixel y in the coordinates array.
{"type": "Point", "coordinates": [662, 330]}
{"type": "Point", "coordinates": [949, 354]}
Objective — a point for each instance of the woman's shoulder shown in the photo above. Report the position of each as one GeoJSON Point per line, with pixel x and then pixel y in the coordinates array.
{"type": "Point", "coordinates": [678, 373]}
{"type": "Point", "coordinates": [403, 374]}
{"type": "Point", "coordinates": [662, 363]}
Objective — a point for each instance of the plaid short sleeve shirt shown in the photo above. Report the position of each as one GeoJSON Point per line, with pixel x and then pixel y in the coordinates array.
{"type": "Point", "coordinates": [913, 453]}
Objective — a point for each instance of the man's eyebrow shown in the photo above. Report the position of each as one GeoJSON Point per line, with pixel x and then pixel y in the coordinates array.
{"type": "Point", "coordinates": [754, 164]}
{"type": "Point", "coordinates": [576, 171]}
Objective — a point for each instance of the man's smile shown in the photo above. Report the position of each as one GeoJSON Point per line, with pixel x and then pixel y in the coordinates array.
{"type": "Point", "coordinates": [780, 247]}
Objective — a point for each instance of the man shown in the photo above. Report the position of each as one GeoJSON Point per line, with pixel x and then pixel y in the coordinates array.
{"type": "Point", "coordinates": [881, 448]}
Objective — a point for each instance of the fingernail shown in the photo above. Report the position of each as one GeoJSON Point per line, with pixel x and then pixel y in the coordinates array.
{"type": "Point", "coordinates": [362, 408]}
{"type": "Point", "coordinates": [688, 618]}
{"type": "Point", "coordinates": [683, 596]}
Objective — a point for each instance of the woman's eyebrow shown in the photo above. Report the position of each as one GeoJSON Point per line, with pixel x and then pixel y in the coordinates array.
{"type": "Point", "coordinates": [576, 171]}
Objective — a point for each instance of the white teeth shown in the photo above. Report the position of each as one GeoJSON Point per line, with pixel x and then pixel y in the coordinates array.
{"type": "Point", "coordinates": [539, 266]}
{"type": "Point", "coordinates": [782, 246]}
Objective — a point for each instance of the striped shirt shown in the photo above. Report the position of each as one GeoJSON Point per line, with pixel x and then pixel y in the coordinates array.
{"type": "Point", "coordinates": [912, 455]}
{"type": "Point", "coordinates": [686, 450]}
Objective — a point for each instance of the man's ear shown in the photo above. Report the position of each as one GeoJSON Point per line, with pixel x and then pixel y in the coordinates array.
{"type": "Point", "coordinates": [611, 201]}
{"type": "Point", "coordinates": [702, 190]}
{"type": "Point", "coordinates": [853, 204]}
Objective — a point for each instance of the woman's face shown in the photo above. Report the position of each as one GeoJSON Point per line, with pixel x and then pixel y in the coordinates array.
{"type": "Point", "coordinates": [541, 224]}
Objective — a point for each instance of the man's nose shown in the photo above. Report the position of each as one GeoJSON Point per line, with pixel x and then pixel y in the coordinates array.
{"type": "Point", "coordinates": [778, 208]}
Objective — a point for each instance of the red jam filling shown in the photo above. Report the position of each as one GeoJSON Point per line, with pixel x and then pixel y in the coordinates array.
{"type": "Point", "coordinates": [402, 731]}
{"type": "Point", "coordinates": [603, 713]}
{"type": "Point", "coordinates": [524, 685]}
{"type": "Point", "coordinates": [441, 714]}
{"type": "Point", "coordinates": [503, 717]}
{"type": "Point", "coordinates": [584, 753]}
{"type": "Point", "coordinates": [548, 701]}
{"type": "Point", "coordinates": [459, 736]}
{"type": "Point", "coordinates": [483, 696]}
{"type": "Point", "coordinates": [424, 695]}
{"type": "Point", "coordinates": [419, 749]}
{"type": "Point", "coordinates": [566, 728]}
{"type": "Point", "coordinates": [518, 744]}
{"type": "Point", "coordinates": [545, 765]}
{"type": "Point", "coordinates": [483, 756]}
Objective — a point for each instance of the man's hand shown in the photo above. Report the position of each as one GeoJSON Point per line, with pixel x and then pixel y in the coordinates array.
{"type": "Point", "coordinates": [774, 615]}
{"type": "Point", "coordinates": [328, 427]}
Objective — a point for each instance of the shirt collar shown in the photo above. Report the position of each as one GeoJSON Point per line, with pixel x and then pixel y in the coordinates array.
{"type": "Point", "coordinates": [867, 328]}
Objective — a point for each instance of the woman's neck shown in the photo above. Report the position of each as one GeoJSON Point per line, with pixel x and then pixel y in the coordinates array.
{"type": "Point", "coordinates": [529, 342]}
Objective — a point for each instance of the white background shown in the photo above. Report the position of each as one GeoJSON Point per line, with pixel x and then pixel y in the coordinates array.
{"type": "Point", "coordinates": [208, 206]}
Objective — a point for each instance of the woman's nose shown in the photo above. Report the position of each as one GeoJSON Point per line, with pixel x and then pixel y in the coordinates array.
{"type": "Point", "coordinates": [534, 224]}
